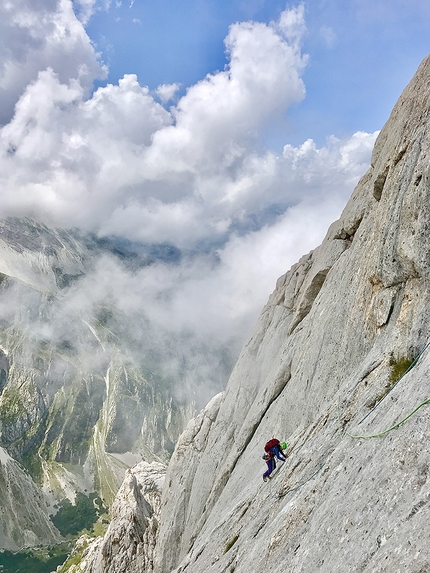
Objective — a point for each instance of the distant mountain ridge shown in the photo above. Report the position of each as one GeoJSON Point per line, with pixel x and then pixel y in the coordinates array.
{"type": "Point", "coordinates": [81, 396]}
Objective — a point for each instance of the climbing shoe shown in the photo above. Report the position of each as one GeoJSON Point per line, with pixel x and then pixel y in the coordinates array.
{"type": "Point", "coordinates": [266, 478]}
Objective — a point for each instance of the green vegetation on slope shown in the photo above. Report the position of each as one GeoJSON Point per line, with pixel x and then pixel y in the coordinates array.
{"type": "Point", "coordinates": [72, 519]}
{"type": "Point", "coordinates": [399, 367]}
{"type": "Point", "coordinates": [35, 561]}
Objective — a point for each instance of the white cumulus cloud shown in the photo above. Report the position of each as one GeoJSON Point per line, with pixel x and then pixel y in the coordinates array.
{"type": "Point", "coordinates": [166, 92]}
{"type": "Point", "coordinates": [38, 35]}
{"type": "Point", "coordinates": [118, 162]}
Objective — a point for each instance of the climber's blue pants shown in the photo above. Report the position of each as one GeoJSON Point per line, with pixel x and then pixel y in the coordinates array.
{"type": "Point", "coordinates": [271, 465]}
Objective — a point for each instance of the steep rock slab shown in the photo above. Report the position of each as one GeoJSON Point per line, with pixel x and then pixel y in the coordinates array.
{"type": "Point", "coordinates": [337, 505]}
{"type": "Point", "coordinates": [128, 546]}
{"type": "Point", "coordinates": [319, 356]}
{"type": "Point", "coordinates": [24, 520]}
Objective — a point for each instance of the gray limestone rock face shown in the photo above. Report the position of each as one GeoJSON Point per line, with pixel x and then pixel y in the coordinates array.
{"type": "Point", "coordinates": [320, 356]}
{"type": "Point", "coordinates": [42, 258]}
{"type": "Point", "coordinates": [129, 543]}
{"type": "Point", "coordinates": [24, 520]}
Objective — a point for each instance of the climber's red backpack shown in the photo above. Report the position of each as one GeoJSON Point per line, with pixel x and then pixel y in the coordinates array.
{"type": "Point", "coordinates": [271, 444]}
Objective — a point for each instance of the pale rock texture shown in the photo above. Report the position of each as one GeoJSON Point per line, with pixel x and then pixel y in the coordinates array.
{"type": "Point", "coordinates": [23, 509]}
{"type": "Point", "coordinates": [128, 546]}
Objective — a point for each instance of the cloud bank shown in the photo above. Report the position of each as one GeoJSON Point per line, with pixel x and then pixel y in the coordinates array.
{"type": "Point", "coordinates": [119, 161]}
{"type": "Point", "coordinates": [35, 35]}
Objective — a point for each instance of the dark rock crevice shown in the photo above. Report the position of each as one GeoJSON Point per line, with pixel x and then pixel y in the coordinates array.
{"type": "Point", "coordinates": [309, 297]}
{"type": "Point", "coordinates": [379, 183]}
{"type": "Point", "coordinates": [347, 233]}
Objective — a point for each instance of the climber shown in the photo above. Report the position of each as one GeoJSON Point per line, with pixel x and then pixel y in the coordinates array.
{"type": "Point", "coordinates": [273, 448]}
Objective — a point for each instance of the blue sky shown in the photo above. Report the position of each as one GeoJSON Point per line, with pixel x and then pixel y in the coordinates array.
{"type": "Point", "coordinates": [234, 132]}
{"type": "Point", "coordinates": [361, 53]}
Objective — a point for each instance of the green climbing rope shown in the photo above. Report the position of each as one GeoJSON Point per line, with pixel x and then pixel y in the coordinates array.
{"type": "Point", "coordinates": [392, 427]}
